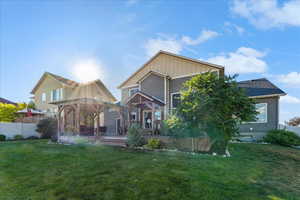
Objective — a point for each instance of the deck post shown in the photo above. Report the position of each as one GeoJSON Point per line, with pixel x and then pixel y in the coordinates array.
{"type": "Point", "coordinates": [78, 119]}
{"type": "Point", "coordinates": [153, 110]}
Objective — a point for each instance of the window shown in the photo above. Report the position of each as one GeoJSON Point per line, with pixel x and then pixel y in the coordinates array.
{"type": "Point", "coordinates": [43, 97]}
{"type": "Point", "coordinates": [147, 119]}
{"type": "Point", "coordinates": [175, 100]}
{"type": "Point", "coordinates": [132, 91]}
{"type": "Point", "coordinates": [157, 115]}
{"type": "Point", "coordinates": [262, 109]}
{"type": "Point", "coordinates": [56, 94]}
{"type": "Point", "coordinates": [133, 116]}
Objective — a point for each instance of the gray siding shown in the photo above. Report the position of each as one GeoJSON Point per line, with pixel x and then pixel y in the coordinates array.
{"type": "Point", "coordinates": [125, 94]}
{"type": "Point", "coordinates": [176, 84]}
{"type": "Point", "coordinates": [272, 115]}
{"type": "Point", "coordinates": [110, 118]}
{"type": "Point", "coordinates": [154, 85]}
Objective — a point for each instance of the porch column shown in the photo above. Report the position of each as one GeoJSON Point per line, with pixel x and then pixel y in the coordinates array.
{"type": "Point", "coordinates": [153, 110]}
{"type": "Point", "coordinates": [78, 119]}
{"type": "Point", "coordinates": [58, 120]}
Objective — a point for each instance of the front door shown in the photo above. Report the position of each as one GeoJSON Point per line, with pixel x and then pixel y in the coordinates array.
{"type": "Point", "coordinates": [147, 119]}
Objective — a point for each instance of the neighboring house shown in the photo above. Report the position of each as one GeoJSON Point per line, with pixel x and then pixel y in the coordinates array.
{"type": "Point", "coordinates": [267, 96]}
{"type": "Point", "coordinates": [152, 92]}
{"type": "Point", "coordinates": [2, 100]}
{"type": "Point", "coordinates": [52, 88]}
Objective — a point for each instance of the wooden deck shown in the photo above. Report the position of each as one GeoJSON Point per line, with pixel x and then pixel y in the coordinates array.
{"type": "Point", "coordinates": [106, 140]}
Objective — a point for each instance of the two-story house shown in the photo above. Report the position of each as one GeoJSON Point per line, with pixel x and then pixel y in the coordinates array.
{"type": "Point", "coordinates": [51, 88]}
{"type": "Point", "coordinates": [152, 92]}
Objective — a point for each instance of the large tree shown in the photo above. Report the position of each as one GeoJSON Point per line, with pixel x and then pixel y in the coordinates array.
{"type": "Point", "coordinates": [214, 106]}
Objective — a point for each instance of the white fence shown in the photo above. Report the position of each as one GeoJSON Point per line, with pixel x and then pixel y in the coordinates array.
{"type": "Point", "coordinates": [12, 129]}
{"type": "Point", "coordinates": [295, 129]}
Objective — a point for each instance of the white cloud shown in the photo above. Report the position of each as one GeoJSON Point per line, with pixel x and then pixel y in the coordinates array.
{"type": "Point", "coordinates": [268, 13]}
{"type": "Point", "coordinates": [170, 44]}
{"type": "Point", "coordinates": [203, 37]}
{"type": "Point", "coordinates": [244, 60]}
{"type": "Point", "coordinates": [88, 70]}
{"type": "Point", "coordinates": [290, 99]}
{"type": "Point", "coordinates": [230, 27]}
{"type": "Point", "coordinates": [291, 79]}
{"type": "Point", "coordinates": [174, 44]}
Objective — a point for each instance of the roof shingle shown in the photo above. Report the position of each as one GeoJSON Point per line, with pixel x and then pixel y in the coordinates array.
{"type": "Point", "coordinates": [260, 87]}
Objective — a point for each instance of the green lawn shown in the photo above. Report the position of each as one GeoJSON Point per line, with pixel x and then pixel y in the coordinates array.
{"type": "Point", "coordinates": [37, 170]}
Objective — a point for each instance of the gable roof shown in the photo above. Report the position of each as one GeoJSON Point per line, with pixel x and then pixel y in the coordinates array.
{"type": "Point", "coordinates": [147, 96]}
{"type": "Point", "coordinates": [260, 87]}
{"type": "Point", "coordinates": [61, 79]}
{"type": "Point", "coordinates": [151, 72]}
{"type": "Point", "coordinates": [87, 90]}
{"type": "Point", "coordinates": [174, 55]}
{"type": "Point", "coordinates": [2, 100]}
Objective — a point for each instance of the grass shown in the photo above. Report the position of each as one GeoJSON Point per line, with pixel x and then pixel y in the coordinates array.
{"type": "Point", "coordinates": [36, 170]}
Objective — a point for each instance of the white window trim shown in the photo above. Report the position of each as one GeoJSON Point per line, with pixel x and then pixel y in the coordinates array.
{"type": "Point", "coordinates": [257, 122]}
{"type": "Point", "coordinates": [173, 93]}
{"type": "Point", "coordinates": [61, 93]}
{"type": "Point", "coordinates": [44, 95]}
{"type": "Point", "coordinates": [51, 95]}
{"type": "Point", "coordinates": [129, 91]}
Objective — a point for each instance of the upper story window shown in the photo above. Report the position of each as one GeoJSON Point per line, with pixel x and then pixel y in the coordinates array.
{"type": "Point", "coordinates": [57, 94]}
{"type": "Point", "coordinates": [175, 100]}
{"type": "Point", "coordinates": [262, 109]}
{"type": "Point", "coordinates": [132, 91]}
{"type": "Point", "coordinates": [44, 97]}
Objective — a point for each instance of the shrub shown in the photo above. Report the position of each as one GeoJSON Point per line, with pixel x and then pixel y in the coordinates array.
{"type": "Point", "coordinates": [153, 143]}
{"type": "Point", "coordinates": [18, 137]}
{"type": "Point", "coordinates": [282, 137]}
{"type": "Point", "coordinates": [32, 138]}
{"type": "Point", "coordinates": [2, 137]}
{"type": "Point", "coordinates": [135, 136]}
{"type": "Point", "coordinates": [47, 128]}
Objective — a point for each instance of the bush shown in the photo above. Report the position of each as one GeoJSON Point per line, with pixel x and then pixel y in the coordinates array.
{"type": "Point", "coordinates": [135, 136]}
{"type": "Point", "coordinates": [282, 137]}
{"type": "Point", "coordinates": [47, 128]}
{"type": "Point", "coordinates": [32, 138]}
{"type": "Point", "coordinates": [18, 137]}
{"type": "Point", "coordinates": [2, 137]}
{"type": "Point", "coordinates": [153, 143]}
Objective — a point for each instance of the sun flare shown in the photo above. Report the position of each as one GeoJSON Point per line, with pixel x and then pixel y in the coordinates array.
{"type": "Point", "coordinates": [88, 70]}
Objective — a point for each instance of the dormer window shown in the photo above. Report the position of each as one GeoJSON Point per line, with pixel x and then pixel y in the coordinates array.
{"type": "Point", "coordinates": [132, 91]}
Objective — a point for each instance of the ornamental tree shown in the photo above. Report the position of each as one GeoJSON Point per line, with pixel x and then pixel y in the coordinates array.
{"type": "Point", "coordinates": [213, 106]}
{"type": "Point", "coordinates": [293, 122]}
{"type": "Point", "coordinates": [7, 112]}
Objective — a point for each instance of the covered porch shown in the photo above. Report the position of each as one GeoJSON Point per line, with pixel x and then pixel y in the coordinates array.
{"type": "Point", "coordinates": [145, 110]}
{"type": "Point", "coordinates": [84, 117]}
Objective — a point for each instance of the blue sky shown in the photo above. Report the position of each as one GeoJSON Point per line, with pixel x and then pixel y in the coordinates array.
{"type": "Point", "coordinates": [114, 38]}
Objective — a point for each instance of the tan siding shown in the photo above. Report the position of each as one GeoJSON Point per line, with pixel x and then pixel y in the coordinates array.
{"type": "Point", "coordinates": [171, 66]}
{"type": "Point", "coordinates": [46, 86]}
{"type": "Point", "coordinates": [90, 91]}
